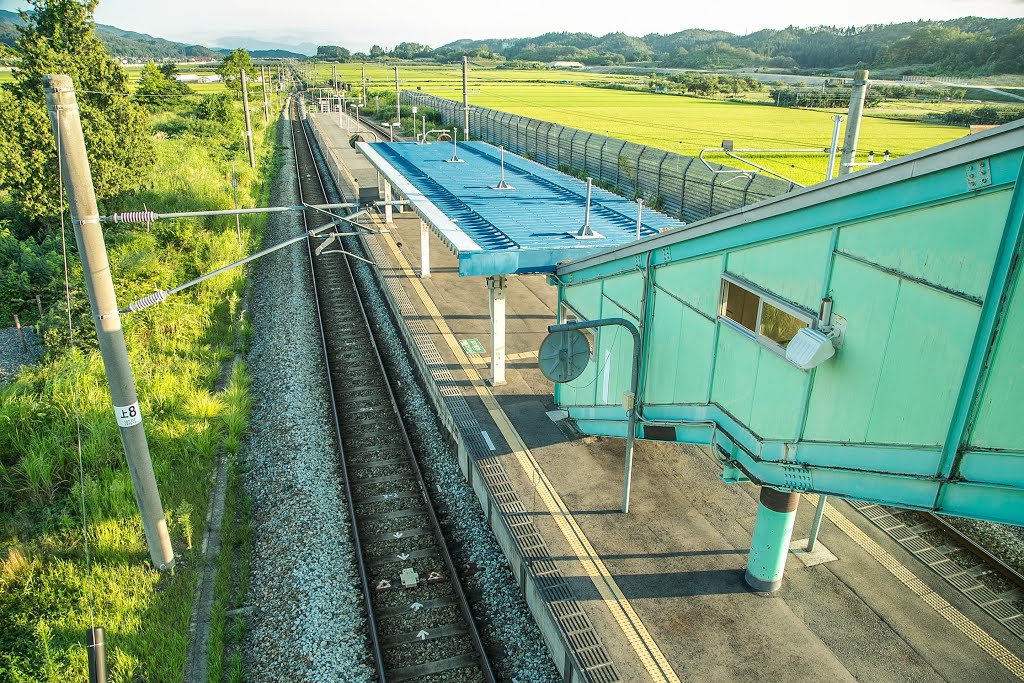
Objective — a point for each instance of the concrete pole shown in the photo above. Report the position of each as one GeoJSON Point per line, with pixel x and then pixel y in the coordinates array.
{"type": "Point", "coordinates": [248, 122]}
{"type": "Point", "coordinates": [39, 305]}
{"type": "Point", "coordinates": [769, 546]}
{"type": "Point", "coordinates": [834, 147]}
{"type": "Point", "coordinates": [67, 129]}
{"type": "Point", "coordinates": [497, 288]}
{"type": "Point", "coordinates": [334, 79]}
{"type": "Point", "coordinates": [860, 90]}
{"type": "Point", "coordinates": [816, 524]}
{"type": "Point", "coordinates": [398, 99]}
{"type": "Point", "coordinates": [266, 103]}
{"type": "Point", "coordinates": [424, 249]}
{"type": "Point", "coordinates": [21, 334]}
{"type": "Point", "coordinates": [362, 73]}
{"type": "Point", "coordinates": [465, 98]}
{"type": "Point", "coordinates": [387, 198]}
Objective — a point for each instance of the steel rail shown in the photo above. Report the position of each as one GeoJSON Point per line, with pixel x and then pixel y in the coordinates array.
{"type": "Point", "coordinates": [979, 551]}
{"type": "Point", "coordinates": [378, 653]}
{"type": "Point", "coordinates": [443, 551]}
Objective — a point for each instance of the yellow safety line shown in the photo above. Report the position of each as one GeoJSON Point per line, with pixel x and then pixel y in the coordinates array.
{"type": "Point", "coordinates": [485, 361]}
{"type": "Point", "coordinates": [951, 614]}
{"type": "Point", "coordinates": [636, 633]}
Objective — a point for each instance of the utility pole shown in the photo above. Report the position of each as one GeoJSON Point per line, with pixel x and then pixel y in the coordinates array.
{"type": "Point", "coordinates": [398, 99]}
{"type": "Point", "coordinates": [62, 106]}
{"type": "Point", "coordinates": [266, 104]}
{"type": "Point", "coordinates": [362, 75]}
{"type": "Point", "coordinates": [248, 122]}
{"type": "Point", "coordinates": [860, 89]}
{"type": "Point", "coordinates": [834, 147]}
{"type": "Point", "coordinates": [334, 78]}
{"type": "Point", "coordinates": [465, 98]}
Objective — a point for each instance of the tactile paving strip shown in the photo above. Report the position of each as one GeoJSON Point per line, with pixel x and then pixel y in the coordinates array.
{"type": "Point", "coordinates": [955, 575]}
{"type": "Point", "coordinates": [590, 653]}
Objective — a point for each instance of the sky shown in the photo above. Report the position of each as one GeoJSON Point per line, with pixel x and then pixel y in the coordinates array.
{"type": "Point", "coordinates": [326, 22]}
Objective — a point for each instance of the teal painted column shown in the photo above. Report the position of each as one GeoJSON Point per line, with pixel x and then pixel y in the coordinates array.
{"type": "Point", "coordinates": [769, 547]}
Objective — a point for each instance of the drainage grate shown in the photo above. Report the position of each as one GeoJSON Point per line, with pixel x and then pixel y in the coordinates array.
{"type": "Point", "coordinates": [938, 559]}
{"type": "Point", "coordinates": [588, 649]}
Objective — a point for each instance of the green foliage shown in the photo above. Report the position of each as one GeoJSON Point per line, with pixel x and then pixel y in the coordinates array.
{"type": "Point", "coordinates": [333, 53]}
{"type": "Point", "coordinates": [177, 352]}
{"type": "Point", "coordinates": [30, 268]}
{"type": "Point", "coordinates": [218, 108]}
{"type": "Point", "coordinates": [986, 115]}
{"type": "Point", "coordinates": [233, 65]}
{"type": "Point", "coordinates": [951, 49]}
{"type": "Point", "coordinates": [58, 38]}
{"type": "Point", "coordinates": [157, 88]}
{"type": "Point", "coordinates": [709, 84]}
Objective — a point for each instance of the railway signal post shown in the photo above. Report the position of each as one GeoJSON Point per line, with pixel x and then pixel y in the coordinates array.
{"type": "Point", "coordinates": [62, 107]}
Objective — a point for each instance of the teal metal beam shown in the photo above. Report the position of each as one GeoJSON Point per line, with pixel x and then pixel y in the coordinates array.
{"type": "Point", "coordinates": [822, 467]}
{"type": "Point", "coordinates": [993, 311]}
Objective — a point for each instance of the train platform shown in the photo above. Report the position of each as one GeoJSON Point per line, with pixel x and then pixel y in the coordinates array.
{"type": "Point", "coordinates": [658, 594]}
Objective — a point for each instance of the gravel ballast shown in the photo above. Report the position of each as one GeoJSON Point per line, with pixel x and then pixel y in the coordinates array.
{"type": "Point", "coordinates": [517, 650]}
{"type": "Point", "coordinates": [12, 355]}
{"type": "Point", "coordinates": [309, 620]}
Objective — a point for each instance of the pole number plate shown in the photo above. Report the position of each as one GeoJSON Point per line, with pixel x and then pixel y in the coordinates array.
{"type": "Point", "coordinates": [128, 416]}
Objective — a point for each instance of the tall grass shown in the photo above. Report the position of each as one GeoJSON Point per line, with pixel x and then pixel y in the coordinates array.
{"type": "Point", "coordinates": [177, 351]}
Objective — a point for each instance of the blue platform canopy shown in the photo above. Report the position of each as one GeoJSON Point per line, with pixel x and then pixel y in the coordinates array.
{"type": "Point", "coordinates": [527, 229]}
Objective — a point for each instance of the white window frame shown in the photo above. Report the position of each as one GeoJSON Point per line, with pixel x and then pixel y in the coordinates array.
{"type": "Point", "coordinates": [763, 296]}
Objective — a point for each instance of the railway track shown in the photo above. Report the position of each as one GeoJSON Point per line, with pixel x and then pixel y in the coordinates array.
{"type": "Point", "coordinates": [419, 620]}
{"type": "Point", "coordinates": [962, 561]}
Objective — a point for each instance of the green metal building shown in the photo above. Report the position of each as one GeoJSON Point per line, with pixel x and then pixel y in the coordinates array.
{"type": "Point", "coordinates": [863, 337]}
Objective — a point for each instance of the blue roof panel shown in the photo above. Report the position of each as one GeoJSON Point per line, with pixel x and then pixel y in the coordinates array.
{"type": "Point", "coordinates": [528, 229]}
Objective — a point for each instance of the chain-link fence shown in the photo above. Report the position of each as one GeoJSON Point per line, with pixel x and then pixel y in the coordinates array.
{"type": "Point", "coordinates": [675, 184]}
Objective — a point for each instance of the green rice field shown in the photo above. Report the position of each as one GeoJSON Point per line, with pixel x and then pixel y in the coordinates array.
{"type": "Point", "coordinates": [676, 123]}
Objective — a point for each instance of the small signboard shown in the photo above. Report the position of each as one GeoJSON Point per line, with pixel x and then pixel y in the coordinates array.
{"type": "Point", "coordinates": [471, 346]}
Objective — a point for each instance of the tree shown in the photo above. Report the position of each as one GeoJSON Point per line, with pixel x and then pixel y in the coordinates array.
{"type": "Point", "coordinates": [232, 65]}
{"type": "Point", "coordinates": [157, 90]}
{"type": "Point", "coordinates": [58, 38]}
{"type": "Point", "coordinates": [333, 53]}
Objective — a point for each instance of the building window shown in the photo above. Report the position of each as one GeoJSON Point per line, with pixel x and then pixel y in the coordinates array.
{"type": "Point", "coordinates": [740, 305]}
{"type": "Point", "coordinates": [768, 320]}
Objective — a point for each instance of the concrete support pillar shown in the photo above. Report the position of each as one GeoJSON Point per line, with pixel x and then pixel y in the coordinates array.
{"type": "Point", "coordinates": [769, 546]}
{"type": "Point", "coordinates": [387, 198]}
{"type": "Point", "coordinates": [496, 290]}
{"type": "Point", "coordinates": [424, 249]}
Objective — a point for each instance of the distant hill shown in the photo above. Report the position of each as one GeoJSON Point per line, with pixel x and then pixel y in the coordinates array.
{"type": "Point", "coordinates": [254, 45]}
{"type": "Point", "coordinates": [119, 43]}
{"type": "Point", "coordinates": [965, 46]}
{"type": "Point", "coordinates": [263, 54]}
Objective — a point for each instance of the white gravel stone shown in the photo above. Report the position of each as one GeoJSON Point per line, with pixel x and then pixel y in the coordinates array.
{"type": "Point", "coordinates": [308, 624]}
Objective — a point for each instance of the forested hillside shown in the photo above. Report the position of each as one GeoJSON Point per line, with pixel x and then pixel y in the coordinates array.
{"type": "Point", "coordinates": [966, 46]}
{"type": "Point", "coordinates": [118, 42]}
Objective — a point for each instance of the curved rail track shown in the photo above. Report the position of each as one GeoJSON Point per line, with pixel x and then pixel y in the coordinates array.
{"type": "Point", "coordinates": [420, 624]}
